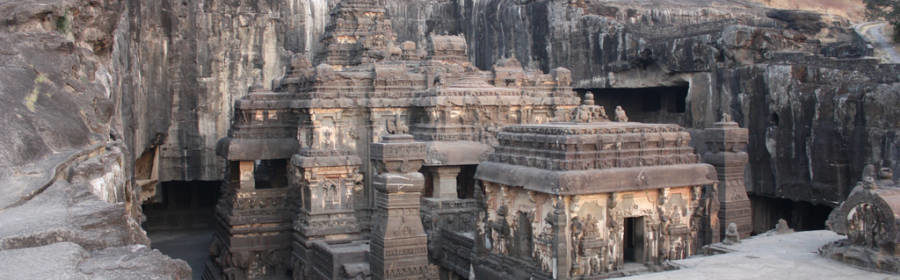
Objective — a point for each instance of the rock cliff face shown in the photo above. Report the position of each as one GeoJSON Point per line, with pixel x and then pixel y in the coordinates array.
{"type": "Point", "coordinates": [68, 207]}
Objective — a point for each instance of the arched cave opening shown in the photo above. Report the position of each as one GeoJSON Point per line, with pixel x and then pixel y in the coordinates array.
{"type": "Point", "coordinates": [180, 220]}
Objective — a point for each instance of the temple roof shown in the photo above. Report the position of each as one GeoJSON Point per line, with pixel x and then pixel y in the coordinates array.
{"type": "Point", "coordinates": [595, 145]}
{"type": "Point", "coordinates": [594, 157]}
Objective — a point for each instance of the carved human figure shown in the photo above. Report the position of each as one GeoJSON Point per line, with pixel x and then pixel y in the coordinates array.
{"type": "Point", "coordinates": [577, 230]}
{"type": "Point", "coordinates": [620, 114]}
{"type": "Point", "coordinates": [394, 125]}
{"type": "Point", "coordinates": [501, 231]}
{"type": "Point", "coordinates": [523, 236]}
{"type": "Point", "coordinates": [731, 234]}
{"type": "Point", "coordinates": [726, 118]}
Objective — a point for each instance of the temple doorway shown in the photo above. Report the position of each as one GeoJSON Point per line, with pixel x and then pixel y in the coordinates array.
{"type": "Point", "coordinates": [633, 242]}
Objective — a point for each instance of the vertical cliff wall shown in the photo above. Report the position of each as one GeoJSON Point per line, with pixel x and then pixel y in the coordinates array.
{"type": "Point", "coordinates": [187, 62]}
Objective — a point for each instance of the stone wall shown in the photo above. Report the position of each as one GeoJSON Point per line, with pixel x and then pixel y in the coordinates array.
{"type": "Point", "coordinates": [594, 228]}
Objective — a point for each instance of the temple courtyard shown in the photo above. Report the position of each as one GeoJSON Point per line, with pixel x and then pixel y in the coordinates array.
{"type": "Point", "coordinates": [776, 256]}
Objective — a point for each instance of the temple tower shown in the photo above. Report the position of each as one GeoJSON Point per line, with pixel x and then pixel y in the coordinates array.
{"type": "Point", "coordinates": [360, 32]}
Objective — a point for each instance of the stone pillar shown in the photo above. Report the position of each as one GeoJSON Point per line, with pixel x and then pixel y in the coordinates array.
{"type": "Point", "coordinates": [399, 245]}
{"type": "Point", "coordinates": [330, 186]}
{"type": "Point", "coordinates": [252, 237]}
{"type": "Point", "coordinates": [562, 256]}
{"type": "Point", "coordinates": [247, 182]}
{"type": "Point", "coordinates": [727, 143]}
{"type": "Point", "coordinates": [445, 181]}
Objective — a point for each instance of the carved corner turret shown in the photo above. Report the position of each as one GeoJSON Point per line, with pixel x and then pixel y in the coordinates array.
{"type": "Point", "coordinates": [727, 142]}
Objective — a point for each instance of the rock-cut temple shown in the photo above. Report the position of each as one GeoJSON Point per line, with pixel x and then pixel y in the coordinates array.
{"type": "Point", "coordinates": [385, 160]}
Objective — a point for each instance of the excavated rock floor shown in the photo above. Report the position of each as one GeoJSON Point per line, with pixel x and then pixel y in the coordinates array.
{"type": "Point", "coordinates": [785, 256]}
{"type": "Point", "coordinates": [191, 246]}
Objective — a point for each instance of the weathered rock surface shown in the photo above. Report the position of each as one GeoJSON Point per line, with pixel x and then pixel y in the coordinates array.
{"type": "Point", "coordinates": [67, 208]}
{"type": "Point", "coordinates": [65, 260]}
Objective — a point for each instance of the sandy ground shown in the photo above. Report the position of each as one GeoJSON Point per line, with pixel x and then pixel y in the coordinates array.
{"type": "Point", "coordinates": [787, 256]}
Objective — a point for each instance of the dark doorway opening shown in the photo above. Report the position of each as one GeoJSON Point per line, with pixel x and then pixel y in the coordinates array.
{"type": "Point", "coordinates": [270, 174]}
{"type": "Point", "coordinates": [633, 242]}
{"type": "Point", "coordinates": [651, 104]}
{"type": "Point", "coordinates": [181, 223]}
{"type": "Point", "coordinates": [465, 181]}
{"type": "Point", "coordinates": [800, 215]}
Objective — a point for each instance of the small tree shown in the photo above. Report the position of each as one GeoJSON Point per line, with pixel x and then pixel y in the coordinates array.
{"type": "Point", "coordinates": [885, 9]}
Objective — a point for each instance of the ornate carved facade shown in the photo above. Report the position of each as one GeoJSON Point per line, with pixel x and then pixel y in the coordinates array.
{"type": "Point", "coordinates": [377, 147]}
{"type": "Point", "coordinates": [578, 200]}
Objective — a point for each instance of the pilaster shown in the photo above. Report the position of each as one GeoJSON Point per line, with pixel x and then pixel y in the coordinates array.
{"type": "Point", "coordinates": [399, 244]}
{"type": "Point", "coordinates": [727, 143]}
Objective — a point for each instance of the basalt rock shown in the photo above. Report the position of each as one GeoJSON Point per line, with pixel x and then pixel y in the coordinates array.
{"type": "Point", "coordinates": [69, 208]}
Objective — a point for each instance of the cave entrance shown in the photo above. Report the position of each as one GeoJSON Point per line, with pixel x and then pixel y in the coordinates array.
{"type": "Point", "coordinates": [800, 215]}
{"type": "Point", "coordinates": [180, 223]}
{"type": "Point", "coordinates": [650, 105]}
{"type": "Point", "coordinates": [633, 242]}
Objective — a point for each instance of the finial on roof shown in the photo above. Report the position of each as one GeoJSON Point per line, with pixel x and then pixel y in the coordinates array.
{"type": "Point", "coordinates": [588, 99]}
{"type": "Point", "coordinates": [588, 112]}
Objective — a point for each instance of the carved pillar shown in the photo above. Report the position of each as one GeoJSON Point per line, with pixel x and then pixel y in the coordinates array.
{"type": "Point", "coordinates": [399, 245]}
{"type": "Point", "coordinates": [562, 256]}
{"type": "Point", "coordinates": [330, 186]}
{"type": "Point", "coordinates": [247, 182]}
{"type": "Point", "coordinates": [445, 181]}
{"type": "Point", "coordinates": [443, 215]}
{"type": "Point", "coordinates": [252, 238]}
{"type": "Point", "coordinates": [727, 144]}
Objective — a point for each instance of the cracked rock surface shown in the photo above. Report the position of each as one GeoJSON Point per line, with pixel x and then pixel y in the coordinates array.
{"type": "Point", "coordinates": [67, 209]}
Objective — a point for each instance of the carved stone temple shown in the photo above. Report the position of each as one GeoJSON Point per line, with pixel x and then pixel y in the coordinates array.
{"type": "Point", "coordinates": [376, 159]}
{"type": "Point", "coordinates": [578, 200]}
{"type": "Point", "coordinates": [449, 139]}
